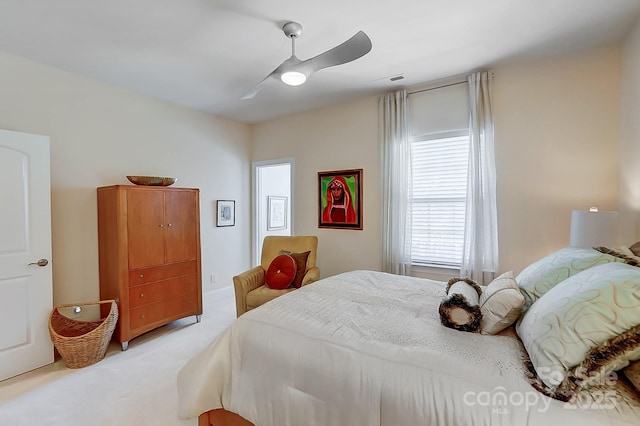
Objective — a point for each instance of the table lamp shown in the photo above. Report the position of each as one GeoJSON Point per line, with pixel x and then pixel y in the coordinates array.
{"type": "Point", "coordinates": [593, 228]}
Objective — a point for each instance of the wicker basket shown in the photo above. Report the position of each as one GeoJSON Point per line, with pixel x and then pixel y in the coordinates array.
{"type": "Point", "coordinates": [82, 343]}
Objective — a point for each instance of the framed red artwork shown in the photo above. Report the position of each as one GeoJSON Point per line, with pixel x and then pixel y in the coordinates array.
{"type": "Point", "coordinates": [340, 199]}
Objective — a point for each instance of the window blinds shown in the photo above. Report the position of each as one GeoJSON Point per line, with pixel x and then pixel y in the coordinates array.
{"type": "Point", "coordinates": [439, 184]}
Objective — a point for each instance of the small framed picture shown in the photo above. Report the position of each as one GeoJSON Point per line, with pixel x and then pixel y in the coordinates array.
{"type": "Point", "coordinates": [276, 213]}
{"type": "Point", "coordinates": [226, 213]}
{"type": "Point", "coordinates": [340, 199]}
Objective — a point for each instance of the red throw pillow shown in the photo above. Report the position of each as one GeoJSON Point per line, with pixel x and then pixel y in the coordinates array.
{"type": "Point", "coordinates": [281, 272]}
{"type": "Point", "coordinates": [301, 261]}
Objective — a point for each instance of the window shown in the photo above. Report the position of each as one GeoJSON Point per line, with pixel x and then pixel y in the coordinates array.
{"type": "Point", "coordinates": [439, 191]}
{"type": "Point", "coordinates": [439, 120]}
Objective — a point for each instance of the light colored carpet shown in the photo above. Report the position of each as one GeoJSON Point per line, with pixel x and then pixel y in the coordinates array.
{"type": "Point", "coordinates": [135, 387]}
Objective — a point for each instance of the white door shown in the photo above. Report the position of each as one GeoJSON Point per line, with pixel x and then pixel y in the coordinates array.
{"type": "Point", "coordinates": [26, 291]}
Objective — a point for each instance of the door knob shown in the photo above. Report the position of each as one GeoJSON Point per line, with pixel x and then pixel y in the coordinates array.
{"type": "Point", "coordinates": [41, 262]}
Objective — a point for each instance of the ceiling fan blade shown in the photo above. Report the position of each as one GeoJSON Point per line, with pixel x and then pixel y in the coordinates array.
{"type": "Point", "coordinates": [352, 49]}
{"type": "Point", "coordinates": [258, 87]}
{"type": "Point", "coordinates": [288, 64]}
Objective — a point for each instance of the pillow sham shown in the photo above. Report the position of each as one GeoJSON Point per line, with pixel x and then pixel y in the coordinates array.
{"type": "Point", "coordinates": [500, 303]}
{"type": "Point", "coordinates": [622, 252]}
{"type": "Point", "coordinates": [541, 276]}
{"type": "Point", "coordinates": [583, 328]}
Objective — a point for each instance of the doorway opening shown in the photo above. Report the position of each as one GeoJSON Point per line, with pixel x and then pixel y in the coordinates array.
{"type": "Point", "coordinates": [272, 201]}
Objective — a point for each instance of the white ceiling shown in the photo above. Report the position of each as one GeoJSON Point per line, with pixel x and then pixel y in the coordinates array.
{"type": "Point", "coordinates": [205, 54]}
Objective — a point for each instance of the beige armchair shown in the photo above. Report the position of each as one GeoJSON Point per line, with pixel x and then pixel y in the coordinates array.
{"type": "Point", "coordinates": [250, 287]}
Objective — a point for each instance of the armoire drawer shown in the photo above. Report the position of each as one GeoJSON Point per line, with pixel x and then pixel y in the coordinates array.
{"type": "Point", "coordinates": [162, 290]}
{"type": "Point", "coordinates": [155, 273]}
{"type": "Point", "coordinates": [162, 311]}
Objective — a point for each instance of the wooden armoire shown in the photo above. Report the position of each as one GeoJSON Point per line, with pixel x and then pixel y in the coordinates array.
{"type": "Point", "coordinates": [149, 248]}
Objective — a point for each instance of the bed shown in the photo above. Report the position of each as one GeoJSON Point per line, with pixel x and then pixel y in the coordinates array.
{"type": "Point", "coordinates": [368, 348]}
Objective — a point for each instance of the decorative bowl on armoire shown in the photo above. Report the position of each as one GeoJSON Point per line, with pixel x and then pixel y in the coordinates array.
{"type": "Point", "coordinates": [152, 180]}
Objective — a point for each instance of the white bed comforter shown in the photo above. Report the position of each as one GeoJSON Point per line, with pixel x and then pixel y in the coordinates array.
{"type": "Point", "coordinates": [367, 348]}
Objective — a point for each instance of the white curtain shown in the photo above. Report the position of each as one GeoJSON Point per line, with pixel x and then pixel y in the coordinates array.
{"type": "Point", "coordinates": [396, 185]}
{"type": "Point", "coordinates": [480, 252]}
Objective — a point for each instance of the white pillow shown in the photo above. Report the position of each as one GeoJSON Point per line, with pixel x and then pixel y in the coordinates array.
{"type": "Point", "coordinates": [539, 277]}
{"type": "Point", "coordinates": [586, 315]}
{"type": "Point", "coordinates": [500, 303]}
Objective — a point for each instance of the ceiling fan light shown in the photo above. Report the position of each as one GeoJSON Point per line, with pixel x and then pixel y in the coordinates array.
{"type": "Point", "coordinates": [293, 78]}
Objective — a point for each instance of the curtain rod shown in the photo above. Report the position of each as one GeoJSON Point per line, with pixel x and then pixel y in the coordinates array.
{"type": "Point", "coordinates": [491, 74]}
{"type": "Point", "coordinates": [438, 87]}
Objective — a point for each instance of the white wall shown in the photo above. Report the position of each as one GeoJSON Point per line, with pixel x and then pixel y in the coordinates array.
{"type": "Point", "coordinates": [99, 134]}
{"type": "Point", "coordinates": [556, 125]}
{"type": "Point", "coordinates": [338, 138]}
{"type": "Point", "coordinates": [630, 138]}
{"type": "Point", "coordinates": [556, 141]}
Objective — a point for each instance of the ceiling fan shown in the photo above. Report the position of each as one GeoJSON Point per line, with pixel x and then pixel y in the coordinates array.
{"type": "Point", "coordinates": [295, 72]}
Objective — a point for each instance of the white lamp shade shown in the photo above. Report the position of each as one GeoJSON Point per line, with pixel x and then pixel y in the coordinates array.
{"type": "Point", "coordinates": [593, 228]}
